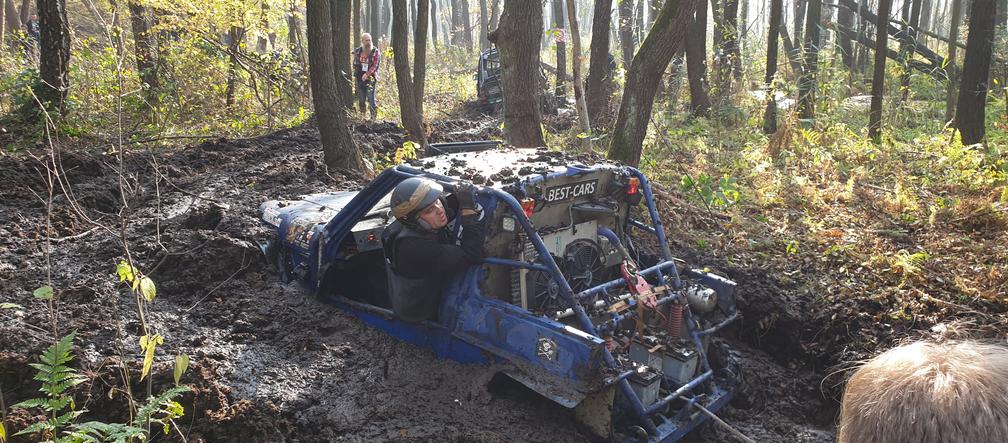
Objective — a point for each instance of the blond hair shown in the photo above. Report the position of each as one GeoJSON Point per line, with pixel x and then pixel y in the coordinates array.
{"type": "Point", "coordinates": [927, 392]}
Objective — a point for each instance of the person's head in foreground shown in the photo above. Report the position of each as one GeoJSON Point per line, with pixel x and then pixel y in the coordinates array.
{"type": "Point", "coordinates": [924, 392]}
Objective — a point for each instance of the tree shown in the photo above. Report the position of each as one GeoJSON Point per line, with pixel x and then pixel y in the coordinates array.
{"type": "Point", "coordinates": [807, 85]}
{"type": "Point", "coordinates": [11, 16]}
{"type": "Point", "coordinates": [770, 116]}
{"type": "Point", "coordinates": [579, 97]}
{"type": "Point", "coordinates": [729, 59]}
{"type": "Point", "coordinates": [338, 148]}
{"type": "Point", "coordinates": [518, 39]}
{"type": "Point", "coordinates": [666, 39]}
{"type": "Point", "coordinates": [626, 31]}
{"type": "Point", "coordinates": [484, 22]}
{"type": "Point", "coordinates": [434, 23]}
{"type": "Point", "coordinates": [878, 77]}
{"type": "Point", "coordinates": [599, 76]}
{"type": "Point", "coordinates": [561, 49]}
{"type": "Point", "coordinates": [466, 25]}
{"type": "Point", "coordinates": [54, 53]}
{"type": "Point", "coordinates": [355, 13]}
{"type": "Point", "coordinates": [374, 26]}
{"type": "Point", "coordinates": [845, 20]}
{"type": "Point", "coordinates": [340, 12]}
{"type": "Point", "coordinates": [420, 57]}
{"type": "Point", "coordinates": [976, 67]}
{"type": "Point", "coordinates": [911, 47]}
{"type": "Point", "coordinates": [144, 52]}
{"type": "Point", "coordinates": [456, 23]}
{"type": "Point", "coordinates": [236, 35]}
{"type": "Point", "coordinates": [404, 84]}
{"type": "Point", "coordinates": [696, 61]}
{"type": "Point", "coordinates": [953, 78]}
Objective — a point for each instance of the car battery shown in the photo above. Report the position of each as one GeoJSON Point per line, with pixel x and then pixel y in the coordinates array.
{"type": "Point", "coordinates": [645, 383]}
{"type": "Point", "coordinates": [646, 352]}
{"type": "Point", "coordinates": [679, 365]}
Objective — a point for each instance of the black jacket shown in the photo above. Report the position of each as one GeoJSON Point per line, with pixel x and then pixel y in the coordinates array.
{"type": "Point", "coordinates": [421, 263]}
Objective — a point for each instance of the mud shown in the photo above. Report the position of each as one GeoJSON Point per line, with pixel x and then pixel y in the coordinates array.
{"type": "Point", "coordinates": [268, 363]}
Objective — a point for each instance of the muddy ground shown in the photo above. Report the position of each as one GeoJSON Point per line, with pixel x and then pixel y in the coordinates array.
{"type": "Point", "coordinates": [268, 362]}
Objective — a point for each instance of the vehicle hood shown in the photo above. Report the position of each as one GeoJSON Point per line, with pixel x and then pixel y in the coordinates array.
{"type": "Point", "coordinates": [308, 210]}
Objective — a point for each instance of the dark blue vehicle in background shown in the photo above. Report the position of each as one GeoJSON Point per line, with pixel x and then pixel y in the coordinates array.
{"type": "Point", "coordinates": [579, 299]}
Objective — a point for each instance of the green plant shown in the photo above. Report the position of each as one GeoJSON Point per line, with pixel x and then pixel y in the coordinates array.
{"type": "Point", "coordinates": [722, 194]}
{"type": "Point", "coordinates": [56, 379]}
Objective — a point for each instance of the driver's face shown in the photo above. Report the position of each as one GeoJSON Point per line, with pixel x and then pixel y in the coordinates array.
{"type": "Point", "coordinates": [434, 215]}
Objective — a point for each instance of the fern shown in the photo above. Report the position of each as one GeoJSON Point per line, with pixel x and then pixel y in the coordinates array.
{"type": "Point", "coordinates": [164, 406]}
{"type": "Point", "coordinates": [56, 379]}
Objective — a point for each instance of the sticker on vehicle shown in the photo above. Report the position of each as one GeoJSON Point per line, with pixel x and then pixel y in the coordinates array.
{"type": "Point", "coordinates": [570, 191]}
{"type": "Point", "coordinates": [546, 349]}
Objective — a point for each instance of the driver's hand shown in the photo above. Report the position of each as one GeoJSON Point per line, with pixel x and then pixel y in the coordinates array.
{"type": "Point", "coordinates": [466, 194]}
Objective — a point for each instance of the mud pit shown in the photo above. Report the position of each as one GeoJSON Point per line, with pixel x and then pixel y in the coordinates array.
{"type": "Point", "coordinates": [268, 362]}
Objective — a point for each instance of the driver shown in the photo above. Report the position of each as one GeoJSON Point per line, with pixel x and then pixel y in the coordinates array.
{"type": "Point", "coordinates": [421, 254]}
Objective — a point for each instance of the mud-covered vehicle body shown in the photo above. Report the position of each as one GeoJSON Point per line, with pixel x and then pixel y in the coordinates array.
{"type": "Point", "coordinates": [490, 93]}
{"type": "Point", "coordinates": [567, 302]}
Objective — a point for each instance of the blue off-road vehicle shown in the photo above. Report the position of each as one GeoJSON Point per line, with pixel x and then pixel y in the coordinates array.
{"type": "Point", "coordinates": [579, 299]}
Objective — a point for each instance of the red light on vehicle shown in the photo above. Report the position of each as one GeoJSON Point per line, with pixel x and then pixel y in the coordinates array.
{"type": "Point", "coordinates": [372, 237]}
{"type": "Point", "coordinates": [528, 205]}
{"type": "Point", "coordinates": [632, 185]}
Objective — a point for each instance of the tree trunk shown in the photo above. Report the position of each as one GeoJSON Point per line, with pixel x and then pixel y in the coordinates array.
{"type": "Point", "coordinates": [561, 49]}
{"type": "Point", "coordinates": [770, 116]}
{"type": "Point", "coordinates": [26, 10]}
{"type": "Point", "coordinates": [976, 68]}
{"type": "Point", "coordinates": [143, 50]}
{"type": "Point", "coordinates": [807, 85]}
{"type": "Point", "coordinates": [484, 22]}
{"type": "Point", "coordinates": [911, 45]}
{"type": "Point", "coordinates": [54, 53]}
{"type": "Point", "coordinates": [666, 39]}
{"type": "Point", "coordinates": [420, 55]}
{"type": "Point", "coordinates": [518, 38]}
{"type": "Point", "coordinates": [743, 26]}
{"type": "Point", "coordinates": [494, 13]}
{"type": "Point", "coordinates": [386, 20]}
{"type": "Point", "coordinates": [339, 11]}
{"type": "Point", "coordinates": [374, 27]}
{"type": "Point", "coordinates": [11, 16]}
{"type": "Point", "coordinates": [296, 45]}
{"type": "Point", "coordinates": [579, 98]}
{"type": "Point", "coordinates": [861, 56]}
{"type": "Point", "coordinates": [729, 64]}
{"type": "Point", "coordinates": [411, 120]}
{"type": "Point", "coordinates": [953, 78]}
{"type": "Point", "coordinates": [338, 148]}
{"type": "Point", "coordinates": [799, 16]}
{"type": "Point", "coordinates": [3, 24]}
{"type": "Point", "coordinates": [626, 31]}
{"type": "Point", "coordinates": [235, 37]}
{"type": "Point", "coordinates": [878, 79]}
{"type": "Point", "coordinates": [467, 25]}
{"type": "Point", "coordinates": [433, 23]}
{"type": "Point", "coordinates": [355, 13]}
{"type": "Point", "coordinates": [599, 74]}
{"type": "Point", "coordinates": [456, 23]}
{"type": "Point", "coordinates": [1002, 15]}
{"type": "Point", "coordinates": [845, 18]}
{"type": "Point", "coordinates": [696, 61]}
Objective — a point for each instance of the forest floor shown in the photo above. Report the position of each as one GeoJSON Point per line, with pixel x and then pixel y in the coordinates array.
{"type": "Point", "coordinates": [269, 363]}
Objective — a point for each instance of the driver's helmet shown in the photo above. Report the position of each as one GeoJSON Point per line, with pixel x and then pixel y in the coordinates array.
{"type": "Point", "coordinates": [411, 196]}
